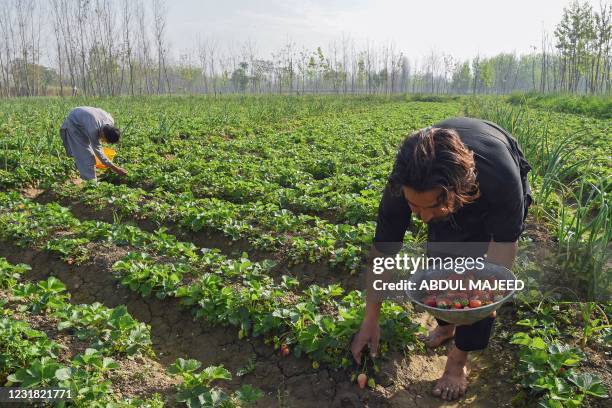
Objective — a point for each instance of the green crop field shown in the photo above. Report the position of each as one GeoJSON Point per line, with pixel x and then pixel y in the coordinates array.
{"type": "Point", "coordinates": [224, 270]}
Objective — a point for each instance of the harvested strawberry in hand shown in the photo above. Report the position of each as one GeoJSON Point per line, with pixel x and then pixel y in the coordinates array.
{"type": "Point", "coordinates": [362, 380]}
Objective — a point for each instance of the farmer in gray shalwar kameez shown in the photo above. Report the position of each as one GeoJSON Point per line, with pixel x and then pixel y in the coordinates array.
{"type": "Point", "coordinates": [82, 133]}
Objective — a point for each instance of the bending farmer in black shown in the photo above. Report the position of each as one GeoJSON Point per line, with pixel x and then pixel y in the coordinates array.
{"type": "Point", "coordinates": [467, 179]}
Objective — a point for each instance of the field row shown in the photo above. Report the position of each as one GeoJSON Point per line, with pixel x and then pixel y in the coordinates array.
{"type": "Point", "coordinates": [309, 169]}
{"type": "Point", "coordinates": [295, 184]}
{"type": "Point", "coordinates": [317, 321]}
{"type": "Point", "coordinates": [94, 352]}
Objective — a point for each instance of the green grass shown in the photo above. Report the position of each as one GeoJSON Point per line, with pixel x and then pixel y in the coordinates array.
{"type": "Point", "coordinates": [594, 106]}
{"type": "Point", "coordinates": [571, 178]}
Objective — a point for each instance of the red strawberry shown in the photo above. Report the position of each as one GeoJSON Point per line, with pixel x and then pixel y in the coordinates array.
{"type": "Point", "coordinates": [284, 350]}
{"type": "Point", "coordinates": [475, 303]}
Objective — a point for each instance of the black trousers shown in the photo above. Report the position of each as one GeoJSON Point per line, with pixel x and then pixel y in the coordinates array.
{"type": "Point", "coordinates": [474, 336]}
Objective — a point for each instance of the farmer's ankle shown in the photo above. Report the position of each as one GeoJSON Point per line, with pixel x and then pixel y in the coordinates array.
{"type": "Point", "coordinates": [447, 328]}
{"type": "Point", "coordinates": [457, 356]}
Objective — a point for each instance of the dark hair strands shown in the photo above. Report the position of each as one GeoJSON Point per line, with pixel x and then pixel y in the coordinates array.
{"type": "Point", "coordinates": [111, 133]}
{"type": "Point", "coordinates": [436, 157]}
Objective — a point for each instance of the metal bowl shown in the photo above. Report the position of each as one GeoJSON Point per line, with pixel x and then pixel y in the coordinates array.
{"type": "Point", "coordinates": [460, 316]}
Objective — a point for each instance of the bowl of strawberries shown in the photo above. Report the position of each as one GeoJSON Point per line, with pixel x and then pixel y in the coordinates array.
{"type": "Point", "coordinates": [465, 298]}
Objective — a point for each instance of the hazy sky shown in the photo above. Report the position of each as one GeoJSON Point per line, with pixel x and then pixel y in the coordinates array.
{"type": "Point", "coordinates": [463, 28]}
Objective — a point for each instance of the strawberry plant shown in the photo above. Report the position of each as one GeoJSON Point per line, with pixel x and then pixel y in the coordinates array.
{"type": "Point", "coordinates": [43, 296]}
{"type": "Point", "coordinates": [43, 372]}
{"type": "Point", "coordinates": [21, 344]}
{"type": "Point", "coordinates": [550, 367]}
{"type": "Point", "coordinates": [197, 389]}
{"type": "Point", "coordinates": [298, 181]}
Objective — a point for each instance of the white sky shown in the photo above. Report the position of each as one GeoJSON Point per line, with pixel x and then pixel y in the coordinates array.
{"type": "Point", "coordinates": [463, 28]}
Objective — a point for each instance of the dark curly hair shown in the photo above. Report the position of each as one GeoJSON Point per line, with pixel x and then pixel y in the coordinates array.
{"type": "Point", "coordinates": [436, 157]}
{"type": "Point", "coordinates": [111, 133]}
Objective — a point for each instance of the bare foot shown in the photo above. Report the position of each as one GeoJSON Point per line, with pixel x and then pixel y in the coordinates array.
{"type": "Point", "coordinates": [453, 383]}
{"type": "Point", "coordinates": [439, 335]}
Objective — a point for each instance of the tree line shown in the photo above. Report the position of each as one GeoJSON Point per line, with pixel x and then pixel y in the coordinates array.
{"type": "Point", "coordinates": [120, 47]}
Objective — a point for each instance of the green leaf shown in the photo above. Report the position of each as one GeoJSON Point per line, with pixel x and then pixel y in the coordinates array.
{"type": "Point", "coordinates": [217, 397]}
{"type": "Point", "coordinates": [63, 373]}
{"type": "Point", "coordinates": [598, 390]}
{"type": "Point", "coordinates": [589, 384]}
{"type": "Point", "coordinates": [521, 338]}
{"type": "Point", "coordinates": [550, 403]}
{"type": "Point", "coordinates": [193, 397]}
{"type": "Point", "coordinates": [15, 378]}
{"type": "Point", "coordinates": [216, 373]}
{"type": "Point", "coordinates": [64, 325]}
{"type": "Point", "coordinates": [53, 284]}
{"type": "Point", "coordinates": [561, 387]}
{"type": "Point", "coordinates": [184, 366]}
{"type": "Point", "coordinates": [545, 383]}
{"type": "Point", "coordinates": [538, 343]}
{"type": "Point", "coordinates": [572, 361]}
{"type": "Point", "coordinates": [109, 364]}
{"type": "Point", "coordinates": [527, 322]}
{"type": "Point", "coordinates": [248, 394]}
{"type": "Point", "coordinates": [119, 312]}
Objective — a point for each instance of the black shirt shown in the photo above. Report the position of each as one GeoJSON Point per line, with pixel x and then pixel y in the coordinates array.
{"type": "Point", "coordinates": [498, 213]}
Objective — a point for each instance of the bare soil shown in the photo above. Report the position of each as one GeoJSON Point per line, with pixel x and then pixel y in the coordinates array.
{"type": "Point", "coordinates": [175, 334]}
{"type": "Point", "coordinates": [307, 273]}
{"type": "Point", "coordinates": [405, 381]}
{"type": "Point", "coordinates": [288, 381]}
{"type": "Point", "coordinates": [137, 377]}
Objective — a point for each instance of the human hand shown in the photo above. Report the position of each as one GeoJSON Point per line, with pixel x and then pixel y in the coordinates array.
{"type": "Point", "coordinates": [369, 334]}
{"type": "Point", "coordinates": [120, 171]}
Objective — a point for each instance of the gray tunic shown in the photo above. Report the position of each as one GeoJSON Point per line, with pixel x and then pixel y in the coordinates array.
{"type": "Point", "coordinates": [79, 133]}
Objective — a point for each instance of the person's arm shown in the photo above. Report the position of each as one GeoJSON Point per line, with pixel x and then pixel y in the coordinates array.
{"type": "Point", "coordinates": [391, 225]}
{"type": "Point", "coordinates": [96, 146]}
{"type": "Point", "coordinates": [369, 332]}
{"type": "Point", "coordinates": [94, 139]}
{"type": "Point", "coordinates": [374, 298]}
{"type": "Point", "coordinates": [119, 170]}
